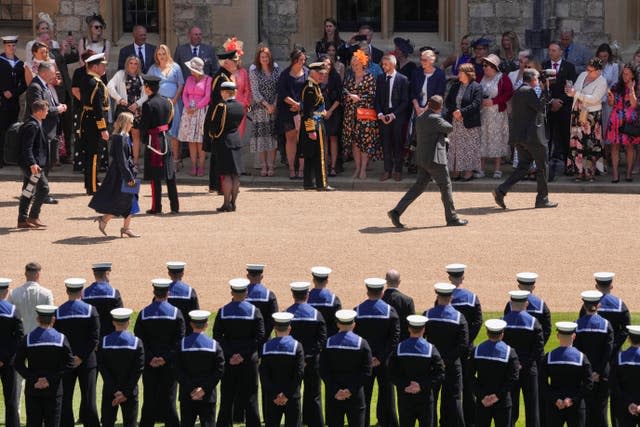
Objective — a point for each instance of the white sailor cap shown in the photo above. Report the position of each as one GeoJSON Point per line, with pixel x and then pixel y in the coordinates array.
{"type": "Point", "coordinates": [455, 269]}
{"type": "Point", "coordinates": [282, 318]}
{"type": "Point", "coordinates": [199, 315]}
{"type": "Point", "coordinates": [299, 286]}
{"type": "Point", "coordinates": [320, 272]}
{"type": "Point", "coordinates": [495, 325]}
{"type": "Point", "coordinates": [519, 295]}
{"type": "Point", "coordinates": [97, 58]}
{"type": "Point", "coordinates": [318, 66]}
{"type": "Point", "coordinates": [255, 268]}
{"type": "Point", "coordinates": [4, 282]}
{"type": "Point", "coordinates": [101, 266]}
{"type": "Point", "coordinates": [526, 278]}
{"type": "Point", "coordinates": [46, 310]}
{"type": "Point", "coordinates": [417, 320]}
{"type": "Point", "coordinates": [346, 316]}
{"type": "Point", "coordinates": [9, 39]}
{"type": "Point", "coordinates": [176, 265]}
{"type": "Point", "coordinates": [161, 283]}
{"type": "Point", "coordinates": [375, 283]}
{"type": "Point", "coordinates": [604, 277]}
{"type": "Point", "coordinates": [228, 86]}
{"type": "Point", "coordinates": [444, 289]}
{"type": "Point", "coordinates": [566, 327]}
{"type": "Point", "coordinates": [591, 296]}
{"type": "Point", "coordinates": [74, 283]}
{"type": "Point", "coordinates": [633, 329]}
{"type": "Point", "coordinates": [239, 285]}
{"type": "Point", "coordinates": [121, 314]}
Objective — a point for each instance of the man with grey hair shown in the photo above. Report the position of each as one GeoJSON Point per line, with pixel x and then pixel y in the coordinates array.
{"type": "Point", "coordinates": [573, 52]}
{"type": "Point", "coordinates": [402, 303]}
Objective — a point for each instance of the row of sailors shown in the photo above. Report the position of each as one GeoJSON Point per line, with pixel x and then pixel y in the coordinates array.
{"type": "Point", "coordinates": [240, 330]}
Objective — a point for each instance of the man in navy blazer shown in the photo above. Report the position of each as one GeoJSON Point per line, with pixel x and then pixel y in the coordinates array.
{"type": "Point", "coordinates": [140, 48]}
{"type": "Point", "coordinates": [392, 106]}
{"type": "Point", "coordinates": [195, 47]}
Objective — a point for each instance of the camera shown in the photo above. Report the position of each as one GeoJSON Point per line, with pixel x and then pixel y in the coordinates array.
{"type": "Point", "coordinates": [548, 74]}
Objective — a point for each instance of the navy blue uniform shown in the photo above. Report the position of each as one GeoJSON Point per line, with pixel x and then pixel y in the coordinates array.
{"type": "Point", "coordinates": [11, 334]}
{"type": "Point", "coordinates": [327, 303]}
{"type": "Point", "coordinates": [267, 303]}
{"type": "Point", "coordinates": [11, 79]}
{"type": "Point", "coordinates": [185, 298]}
{"type": "Point", "coordinates": [538, 309]}
{"type": "Point", "coordinates": [104, 298]}
{"type": "Point", "coordinates": [625, 377]}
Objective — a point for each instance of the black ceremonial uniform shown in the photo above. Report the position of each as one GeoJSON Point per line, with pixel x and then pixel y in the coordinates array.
{"type": "Point", "coordinates": [417, 360]}
{"type": "Point", "coordinates": [185, 298]}
{"type": "Point", "coordinates": [447, 330]}
{"type": "Point", "coordinates": [566, 374]}
{"type": "Point", "coordinates": [266, 301]}
{"type": "Point", "coordinates": [594, 338]}
{"type": "Point", "coordinates": [313, 150]}
{"type": "Point", "coordinates": [404, 307]}
{"type": "Point", "coordinates": [199, 363]}
{"type": "Point", "coordinates": [378, 323]}
{"type": "Point", "coordinates": [93, 120]}
{"type": "Point", "coordinates": [625, 377]}
{"type": "Point", "coordinates": [160, 326]}
{"type": "Point", "coordinates": [239, 329]}
{"type": "Point", "coordinates": [538, 309]}
{"type": "Point", "coordinates": [494, 366]}
{"type": "Point", "coordinates": [308, 327]}
{"type": "Point", "coordinates": [327, 303]}
{"type": "Point", "coordinates": [104, 298]}
{"type": "Point", "coordinates": [11, 335]}
{"type": "Point", "coordinates": [524, 333]}
{"type": "Point", "coordinates": [281, 371]}
{"type": "Point", "coordinates": [156, 118]}
{"type": "Point", "coordinates": [79, 322]}
{"type": "Point", "coordinates": [345, 363]}
{"type": "Point", "coordinates": [121, 362]}
{"type": "Point", "coordinates": [12, 80]}
{"type": "Point", "coordinates": [227, 117]}
{"type": "Point", "coordinates": [44, 353]}
{"type": "Point", "coordinates": [221, 76]}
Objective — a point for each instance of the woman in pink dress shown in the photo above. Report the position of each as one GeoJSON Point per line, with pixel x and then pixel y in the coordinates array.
{"type": "Point", "coordinates": [241, 77]}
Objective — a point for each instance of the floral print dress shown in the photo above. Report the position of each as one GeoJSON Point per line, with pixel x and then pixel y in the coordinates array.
{"type": "Point", "coordinates": [364, 133]}
{"type": "Point", "coordinates": [622, 113]}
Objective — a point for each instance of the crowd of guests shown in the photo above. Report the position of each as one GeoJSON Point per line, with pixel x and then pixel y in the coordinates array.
{"type": "Point", "coordinates": [431, 360]}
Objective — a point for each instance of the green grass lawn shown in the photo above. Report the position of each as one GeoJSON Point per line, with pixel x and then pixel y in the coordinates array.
{"type": "Point", "coordinates": [553, 342]}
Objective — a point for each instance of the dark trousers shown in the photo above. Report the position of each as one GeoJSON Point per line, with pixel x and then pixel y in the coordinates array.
{"type": "Point", "coordinates": [214, 179]}
{"type": "Point", "coordinates": [526, 155]}
{"type": "Point", "coordinates": [239, 381]}
{"type": "Point", "coordinates": [109, 413]}
{"type": "Point", "coordinates": [91, 161]}
{"type": "Point", "coordinates": [468, 398]}
{"type": "Point", "coordinates": [625, 419]}
{"type": "Point", "coordinates": [43, 410]}
{"type": "Point", "coordinates": [87, 380]}
{"type": "Point", "coordinates": [573, 416]}
{"type": "Point", "coordinates": [273, 413]}
{"type": "Point", "coordinates": [10, 394]}
{"type": "Point", "coordinates": [315, 165]}
{"type": "Point", "coordinates": [558, 123]}
{"type": "Point", "coordinates": [190, 410]}
{"type": "Point", "coordinates": [159, 399]}
{"type": "Point", "coordinates": [312, 399]}
{"type": "Point", "coordinates": [8, 116]}
{"type": "Point", "coordinates": [41, 193]}
{"type": "Point", "coordinates": [440, 174]}
{"type": "Point", "coordinates": [392, 145]}
{"type": "Point", "coordinates": [156, 191]}
{"type": "Point", "coordinates": [596, 405]}
{"type": "Point", "coordinates": [353, 407]}
{"type": "Point", "coordinates": [386, 406]}
{"type": "Point", "coordinates": [450, 396]}
{"type": "Point", "coordinates": [499, 414]}
{"type": "Point", "coordinates": [528, 383]}
{"type": "Point", "coordinates": [415, 407]}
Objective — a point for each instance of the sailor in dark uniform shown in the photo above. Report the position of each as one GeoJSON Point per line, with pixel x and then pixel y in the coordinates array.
{"type": "Point", "coordinates": [323, 300]}
{"type": "Point", "coordinates": [200, 364]}
{"type": "Point", "coordinates": [378, 323]}
{"type": "Point", "coordinates": [11, 335]}
{"type": "Point", "coordinates": [79, 322]}
{"type": "Point", "coordinates": [416, 368]}
{"type": "Point", "coordinates": [524, 333]}
{"type": "Point", "coordinates": [258, 295]}
{"type": "Point", "coordinates": [467, 303]}
{"type": "Point", "coordinates": [594, 337]}
{"type": "Point", "coordinates": [102, 296]}
{"type": "Point", "coordinates": [345, 366]}
{"type": "Point", "coordinates": [156, 118]}
{"type": "Point", "coordinates": [93, 119]}
{"type": "Point", "coordinates": [494, 366]}
{"type": "Point", "coordinates": [121, 362]}
{"type": "Point", "coordinates": [625, 377]}
{"type": "Point", "coordinates": [160, 326]}
{"type": "Point", "coordinates": [239, 329]}
{"type": "Point", "coordinates": [181, 295]}
{"type": "Point", "coordinates": [12, 85]}
{"type": "Point", "coordinates": [281, 371]}
{"type": "Point", "coordinates": [566, 379]}
{"type": "Point", "coordinates": [403, 304]}
{"type": "Point", "coordinates": [309, 329]}
{"type": "Point", "coordinates": [43, 357]}
{"type": "Point", "coordinates": [535, 305]}
{"type": "Point", "coordinates": [447, 330]}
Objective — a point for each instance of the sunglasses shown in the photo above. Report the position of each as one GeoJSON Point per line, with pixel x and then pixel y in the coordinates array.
{"type": "Point", "coordinates": [97, 27]}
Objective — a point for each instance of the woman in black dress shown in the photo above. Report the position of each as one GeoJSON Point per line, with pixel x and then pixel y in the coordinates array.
{"type": "Point", "coordinates": [110, 200]}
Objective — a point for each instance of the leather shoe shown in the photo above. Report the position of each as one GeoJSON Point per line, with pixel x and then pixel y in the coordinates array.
{"type": "Point", "coordinates": [499, 198]}
{"type": "Point", "coordinates": [327, 188]}
{"type": "Point", "coordinates": [385, 176]}
{"type": "Point", "coordinates": [397, 176]}
{"type": "Point", "coordinates": [50, 201]}
{"type": "Point", "coordinates": [25, 224]}
{"type": "Point", "coordinates": [152, 212]}
{"type": "Point", "coordinates": [457, 222]}
{"type": "Point", "coordinates": [395, 218]}
{"type": "Point", "coordinates": [36, 222]}
{"type": "Point", "coordinates": [546, 204]}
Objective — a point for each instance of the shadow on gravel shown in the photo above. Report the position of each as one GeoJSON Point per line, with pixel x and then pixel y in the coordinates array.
{"type": "Point", "coordinates": [485, 210]}
{"type": "Point", "coordinates": [84, 240]}
{"type": "Point", "coordinates": [181, 214]}
{"type": "Point", "coordinates": [271, 190]}
{"type": "Point", "coordinates": [7, 230]}
{"type": "Point", "coordinates": [382, 230]}
{"type": "Point", "coordinates": [8, 203]}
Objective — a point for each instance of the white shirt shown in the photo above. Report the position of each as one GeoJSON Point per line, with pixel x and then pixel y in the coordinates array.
{"type": "Point", "coordinates": [559, 62]}
{"type": "Point", "coordinates": [424, 93]}
{"type": "Point", "coordinates": [393, 78]}
{"type": "Point", "coordinates": [137, 49]}
{"type": "Point", "coordinates": [26, 298]}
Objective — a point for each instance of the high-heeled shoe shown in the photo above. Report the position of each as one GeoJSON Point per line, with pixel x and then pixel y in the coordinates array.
{"type": "Point", "coordinates": [128, 233]}
{"type": "Point", "coordinates": [102, 225]}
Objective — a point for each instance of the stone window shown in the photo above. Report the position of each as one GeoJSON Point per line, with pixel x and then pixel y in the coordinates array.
{"type": "Point", "coordinates": [394, 15]}
{"type": "Point", "coordinates": [353, 13]}
{"type": "Point", "coordinates": [143, 12]}
{"type": "Point", "coordinates": [415, 16]}
{"type": "Point", "coordinates": [16, 10]}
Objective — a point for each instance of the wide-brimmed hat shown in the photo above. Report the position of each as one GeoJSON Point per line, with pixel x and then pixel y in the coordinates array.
{"type": "Point", "coordinates": [404, 45]}
{"type": "Point", "coordinates": [196, 65]}
{"type": "Point", "coordinates": [492, 59]}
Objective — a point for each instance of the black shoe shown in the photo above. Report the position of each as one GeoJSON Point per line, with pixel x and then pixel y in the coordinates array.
{"type": "Point", "coordinates": [176, 212]}
{"type": "Point", "coordinates": [308, 188]}
{"type": "Point", "coordinates": [50, 201]}
{"type": "Point", "coordinates": [224, 208]}
{"type": "Point", "coordinates": [395, 218]}
{"type": "Point", "coordinates": [546, 204]}
{"type": "Point", "coordinates": [499, 198]}
{"type": "Point", "coordinates": [327, 188]}
{"type": "Point", "coordinates": [457, 222]}
{"type": "Point", "coordinates": [152, 212]}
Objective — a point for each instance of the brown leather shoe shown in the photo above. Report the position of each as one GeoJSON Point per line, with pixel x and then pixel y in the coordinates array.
{"type": "Point", "coordinates": [397, 176]}
{"type": "Point", "coordinates": [25, 224]}
{"type": "Point", "coordinates": [36, 222]}
{"type": "Point", "coordinates": [385, 176]}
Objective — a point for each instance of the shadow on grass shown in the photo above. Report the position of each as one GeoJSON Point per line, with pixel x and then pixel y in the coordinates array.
{"type": "Point", "coordinates": [84, 240]}
{"type": "Point", "coordinates": [382, 230]}
{"type": "Point", "coordinates": [486, 210]}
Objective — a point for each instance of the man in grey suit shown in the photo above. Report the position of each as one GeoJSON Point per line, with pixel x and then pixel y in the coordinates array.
{"type": "Point", "coordinates": [195, 47]}
{"type": "Point", "coordinates": [573, 52]}
{"type": "Point", "coordinates": [527, 134]}
{"type": "Point", "coordinates": [431, 161]}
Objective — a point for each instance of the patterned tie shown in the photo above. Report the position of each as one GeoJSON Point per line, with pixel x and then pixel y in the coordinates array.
{"type": "Point", "coordinates": [141, 56]}
{"type": "Point", "coordinates": [555, 66]}
{"type": "Point", "coordinates": [195, 51]}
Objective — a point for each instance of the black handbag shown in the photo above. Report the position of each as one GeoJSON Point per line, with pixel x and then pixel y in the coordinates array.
{"type": "Point", "coordinates": [631, 129]}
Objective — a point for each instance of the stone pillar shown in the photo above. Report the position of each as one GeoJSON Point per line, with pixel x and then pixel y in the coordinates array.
{"type": "Point", "coordinates": [279, 26]}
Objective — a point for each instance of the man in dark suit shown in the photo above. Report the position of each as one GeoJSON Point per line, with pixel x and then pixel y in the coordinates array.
{"type": "Point", "coordinates": [431, 161]}
{"type": "Point", "coordinates": [402, 303]}
{"type": "Point", "coordinates": [392, 106]}
{"type": "Point", "coordinates": [195, 47]}
{"type": "Point", "coordinates": [145, 52]}
{"type": "Point", "coordinates": [559, 116]}
{"type": "Point", "coordinates": [374, 53]}
{"type": "Point", "coordinates": [527, 135]}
